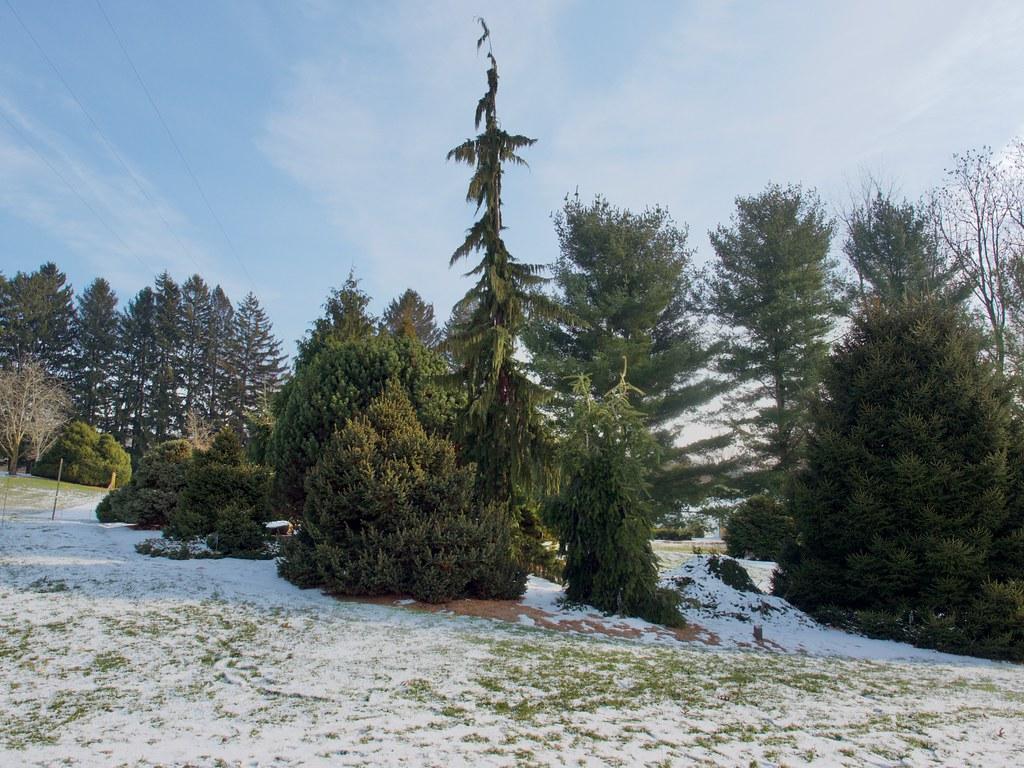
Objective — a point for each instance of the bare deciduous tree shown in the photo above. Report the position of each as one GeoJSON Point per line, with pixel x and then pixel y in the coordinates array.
{"type": "Point", "coordinates": [977, 226]}
{"type": "Point", "coordinates": [33, 409]}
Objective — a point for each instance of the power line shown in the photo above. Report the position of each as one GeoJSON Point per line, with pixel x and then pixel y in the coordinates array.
{"type": "Point", "coordinates": [109, 145]}
{"type": "Point", "coordinates": [174, 143]}
{"type": "Point", "coordinates": [72, 187]}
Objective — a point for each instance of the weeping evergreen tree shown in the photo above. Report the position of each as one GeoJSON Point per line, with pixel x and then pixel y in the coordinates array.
{"type": "Point", "coordinates": [603, 513]}
{"type": "Point", "coordinates": [502, 429]}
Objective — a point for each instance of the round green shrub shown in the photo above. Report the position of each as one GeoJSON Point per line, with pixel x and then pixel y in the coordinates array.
{"type": "Point", "coordinates": [152, 495]}
{"type": "Point", "coordinates": [390, 511]}
{"type": "Point", "coordinates": [90, 458]}
{"type": "Point", "coordinates": [758, 529]}
{"type": "Point", "coordinates": [335, 384]}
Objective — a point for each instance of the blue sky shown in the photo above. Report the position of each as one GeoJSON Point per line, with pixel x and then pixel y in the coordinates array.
{"type": "Point", "coordinates": [318, 129]}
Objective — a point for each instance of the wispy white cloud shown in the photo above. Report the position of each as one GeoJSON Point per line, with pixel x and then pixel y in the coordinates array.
{"type": "Point", "coordinates": [77, 196]}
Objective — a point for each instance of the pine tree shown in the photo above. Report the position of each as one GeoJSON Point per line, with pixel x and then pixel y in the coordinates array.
{"type": "Point", "coordinates": [136, 370]}
{"type": "Point", "coordinates": [218, 374]}
{"type": "Point", "coordinates": [96, 345]}
{"type": "Point", "coordinates": [774, 283]}
{"type": "Point", "coordinates": [409, 315]}
{"type": "Point", "coordinates": [256, 360]}
{"type": "Point", "coordinates": [894, 253]}
{"type": "Point", "coordinates": [909, 513]}
{"type": "Point", "coordinates": [628, 289]}
{"type": "Point", "coordinates": [502, 429]}
{"type": "Point", "coordinates": [603, 513]}
{"type": "Point", "coordinates": [165, 400]}
{"type": "Point", "coordinates": [196, 316]}
{"type": "Point", "coordinates": [37, 320]}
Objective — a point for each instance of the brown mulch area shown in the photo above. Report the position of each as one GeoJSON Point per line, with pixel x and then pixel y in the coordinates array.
{"type": "Point", "coordinates": [512, 611]}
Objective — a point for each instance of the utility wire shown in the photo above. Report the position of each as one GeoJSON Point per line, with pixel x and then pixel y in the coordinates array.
{"type": "Point", "coordinates": [174, 143]}
{"type": "Point", "coordinates": [109, 145]}
{"type": "Point", "coordinates": [72, 187]}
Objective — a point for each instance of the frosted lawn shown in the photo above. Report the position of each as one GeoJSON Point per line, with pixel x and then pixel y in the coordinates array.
{"type": "Point", "coordinates": [115, 658]}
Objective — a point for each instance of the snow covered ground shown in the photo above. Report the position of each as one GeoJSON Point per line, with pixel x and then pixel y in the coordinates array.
{"type": "Point", "coordinates": [112, 658]}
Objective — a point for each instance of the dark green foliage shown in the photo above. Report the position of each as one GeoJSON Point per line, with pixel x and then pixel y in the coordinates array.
{"type": "Point", "coordinates": [196, 318]}
{"type": "Point", "coordinates": [501, 430]}
{"type": "Point", "coordinates": [94, 364]}
{"type": "Point", "coordinates": [135, 370]}
{"type": "Point", "coordinates": [164, 412]}
{"type": "Point", "coordinates": [216, 479]}
{"type": "Point", "coordinates": [731, 573]}
{"type": "Point", "coordinates": [628, 289]}
{"type": "Point", "coordinates": [775, 287]}
{"type": "Point", "coordinates": [693, 529]}
{"type": "Point", "coordinates": [37, 319]}
{"type": "Point", "coordinates": [89, 457]}
{"type": "Point", "coordinates": [390, 511]}
{"type": "Point", "coordinates": [257, 365]}
{"type": "Point", "coordinates": [152, 495]}
{"type": "Point", "coordinates": [758, 529]}
{"type": "Point", "coordinates": [894, 254]}
{"type": "Point", "coordinates": [603, 512]}
{"type": "Point", "coordinates": [910, 507]}
{"type": "Point", "coordinates": [334, 385]}
{"type": "Point", "coordinates": [345, 319]}
{"type": "Point", "coordinates": [239, 531]}
{"type": "Point", "coordinates": [409, 315]}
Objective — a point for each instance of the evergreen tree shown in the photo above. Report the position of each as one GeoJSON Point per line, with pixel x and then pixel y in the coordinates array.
{"type": "Point", "coordinates": [256, 360]}
{"type": "Point", "coordinates": [774, 283]}
{"type": "Point", "coordinates": [136, 370]}
{"type": "Point", "coordinates": [165, 400]}
{"type": "Point", "coordinates": [894, 254]}
{"type": "Point", "coordinates": [628, 289]}
{"type": "Point", "coordinates": [37, 319]}
{"type": "Point", "coordinates": [409, 315]}
{"type": "Point", "coordinates": [345, 319]}
{"type": "Point", "coordinates": [502, 430]}
{"type": "Point", "coordinates": [910, 513]}
{"type": "Point", "coordinates": [603, 513]}
{"type": "Point", "coordinates": [218, 374]}
{"type": "Point", "coordinates": [196, 316]}
{"type": "Point", "coordinates": [96, 347]}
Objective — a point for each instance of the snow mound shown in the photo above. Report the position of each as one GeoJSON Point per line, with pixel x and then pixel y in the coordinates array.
{"type": "Point", "coordinates": [714, 597]}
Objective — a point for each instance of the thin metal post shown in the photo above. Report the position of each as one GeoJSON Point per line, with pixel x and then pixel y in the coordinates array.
{"type": "Point", "coordinates": [56, 493]}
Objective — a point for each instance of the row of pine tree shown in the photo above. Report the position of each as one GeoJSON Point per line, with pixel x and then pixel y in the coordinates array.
{"type": "Point", "coordinates": [173, 357]}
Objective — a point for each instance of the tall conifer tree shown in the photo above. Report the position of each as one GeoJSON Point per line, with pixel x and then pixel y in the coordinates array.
{"type": "Point", "coordinates": [775, 285]}
{"type": "Point", "coordinates": [256, 359]}
{"type": "Point", "coordinates": [409, 315]}
{"type": "Point", "coordinates": [138, 359]}
{"type": "Point", "coordinates": [502, 429]}
{"type": "Point", "coordinates": [96, 345]}
{"type": "Point", "coordinates": [37, 319]}
{"type": "Point", "coordinates": [216, 355]}
{"type": "Point", "coordinates": [196, 316]}
{"type": "Point", "coordinates": [167, 374]}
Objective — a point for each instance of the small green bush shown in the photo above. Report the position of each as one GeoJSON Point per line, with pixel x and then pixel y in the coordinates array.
{"type": "Point", "coordinates": [90, 458]}
{"type": "Point", "coordinates": [390, 511]}
{"type": "Point", "coordinates": [238, 532]}
{"type": "Point", "coordinates": [220, 483]}
{"type": "Point", "coordinates": [152, 495]}
{"type": "Point", "coordinates": [692, 529]}
{"type": "Point", "coordinates": [758, 529]}
{"type": "Point", "coordinates": [731, 573]}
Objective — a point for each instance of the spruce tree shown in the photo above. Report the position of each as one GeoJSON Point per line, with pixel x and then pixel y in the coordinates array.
{"type": "Point", "coordinates": [345, 318]}
{"type": "Point", "coordinates": [196, 317]}
{"type": "Point", "coordinates": [603, 513]}
{"type": "Point", "coordinates": [256, 360]}
{"type": "Point", "coordinates": [37, 320]}
{"type": "Point", "coordinates": [409, 315]}
{"type": "Point", "coordinates": [502, 430]}
{"type": "Point", "coordinates": [96, 346]}
{"type": "Point", "coordinates": [218, 373]}
{"type": "Point", "coordinates": [775, 285]}
{"type": "Point", "coordinates": [909, 513]}
{"type": "Point", "coordinates": [628, 289]}
{"type": "Point", "coordinates": [136, 370]}
{"type": "Point", "coordinates": [166, 412]}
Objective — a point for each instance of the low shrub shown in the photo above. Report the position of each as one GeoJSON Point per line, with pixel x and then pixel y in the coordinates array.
{"type": "Point", "coordinates": [90, 458]}
{"type": "Point", "coordinates": [758, 529]}
{"type": "Point", "coordinates": [152, 495]}
{"type": "Point", "coordinates": [732, 574]}
{"type": "Point", "coordinates": [692, 529]}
